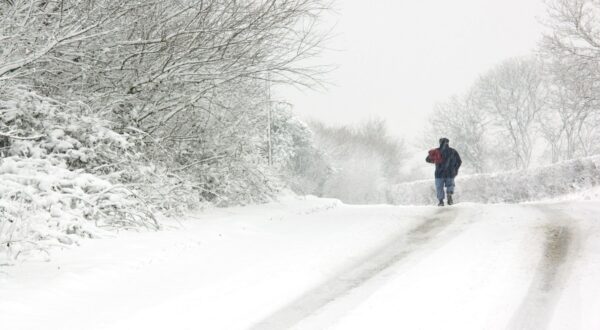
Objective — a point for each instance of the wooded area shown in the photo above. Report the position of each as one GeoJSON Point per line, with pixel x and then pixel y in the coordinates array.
{"type": "Point", "coordinates": [113, 111]}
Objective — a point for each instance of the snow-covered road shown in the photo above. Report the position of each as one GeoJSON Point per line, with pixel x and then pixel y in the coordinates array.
{"type": "Point", "coordinates": [317, 264]}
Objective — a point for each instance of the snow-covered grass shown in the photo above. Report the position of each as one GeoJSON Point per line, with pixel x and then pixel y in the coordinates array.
{"type": "Point", "coordinates": [508, 187]}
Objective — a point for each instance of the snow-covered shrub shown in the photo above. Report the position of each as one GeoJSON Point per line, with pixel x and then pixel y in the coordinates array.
{"type": "Point", "coordinates": [507, 187]}
{"type": "Point", "coordinates": [216, 156]}
{"type": "Point", "coordinates": [54, 181]}
{"type": "Point", "coordinates": [34, 126]}
{"type": "Point", "coordinates": [299, 163]}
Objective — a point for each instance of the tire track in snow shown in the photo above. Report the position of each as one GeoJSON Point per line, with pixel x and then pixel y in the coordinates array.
{"type": "Point", "coordinates": [537, 308]}
{"type": "Point", "coordinates": [389, 254]}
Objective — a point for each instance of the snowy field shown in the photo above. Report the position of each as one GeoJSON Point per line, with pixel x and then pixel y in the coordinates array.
{"type": "Point", "coordinates": [318, 264]}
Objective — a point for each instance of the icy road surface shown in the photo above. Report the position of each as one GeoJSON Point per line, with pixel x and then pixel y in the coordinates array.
{"type": "Point", "coordinates": [318, 264]}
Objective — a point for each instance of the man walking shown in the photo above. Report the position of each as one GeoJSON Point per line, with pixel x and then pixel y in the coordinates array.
{"type": "Point", "coordinates": [447, 162]}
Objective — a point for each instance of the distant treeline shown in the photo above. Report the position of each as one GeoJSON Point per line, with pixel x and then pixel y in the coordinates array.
{"type": "Point", "coordinates": [362, 161]}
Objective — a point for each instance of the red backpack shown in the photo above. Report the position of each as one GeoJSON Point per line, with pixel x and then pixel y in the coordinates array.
{"type": "Point", "coordinates": [435, 156]}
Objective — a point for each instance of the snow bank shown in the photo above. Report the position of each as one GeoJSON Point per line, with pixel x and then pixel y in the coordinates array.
{"type": "Point", "coordinates": [508, 187]}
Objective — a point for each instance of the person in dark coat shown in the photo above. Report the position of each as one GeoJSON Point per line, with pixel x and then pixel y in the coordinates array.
{"type": "Point", "coordinates": [446, 171]}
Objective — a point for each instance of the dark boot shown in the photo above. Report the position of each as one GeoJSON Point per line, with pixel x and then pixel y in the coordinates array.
{"type": "Point", "coordinates": [450, 201]}
{"type": "Point", "coordinates": [441, 203]}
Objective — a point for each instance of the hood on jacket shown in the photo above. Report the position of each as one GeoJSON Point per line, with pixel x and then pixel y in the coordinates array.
{"type": "Point", "coordinates": [444, 143]}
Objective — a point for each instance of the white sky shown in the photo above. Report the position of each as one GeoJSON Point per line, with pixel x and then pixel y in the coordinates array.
{"type": "Point", "coordinates": [397, 58]}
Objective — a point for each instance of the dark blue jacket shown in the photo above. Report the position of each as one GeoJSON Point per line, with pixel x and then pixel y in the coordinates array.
{"type": "Point", "coordinates": [450, 164]}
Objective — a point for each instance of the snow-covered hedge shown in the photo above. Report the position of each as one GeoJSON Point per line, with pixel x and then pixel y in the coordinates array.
{"type": "Point", "coordinates": [507, 187]}
{"type": "Point", "coordinates": [55, 184]}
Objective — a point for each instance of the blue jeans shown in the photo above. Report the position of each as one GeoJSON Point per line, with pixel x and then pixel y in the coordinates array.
{"type": "Point", "coordinates": [439, 187]}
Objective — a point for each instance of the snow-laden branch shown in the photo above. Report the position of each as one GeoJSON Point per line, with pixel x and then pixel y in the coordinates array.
{"type": "Point", "coordinates": [11, 135]}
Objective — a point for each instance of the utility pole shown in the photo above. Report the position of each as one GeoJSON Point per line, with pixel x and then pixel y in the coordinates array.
{"type": "Point", "coordinates": [269, 119]}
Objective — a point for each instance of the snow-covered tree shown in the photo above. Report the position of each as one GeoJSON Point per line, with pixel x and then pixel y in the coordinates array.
{"type": "Point", "coordinates": [171, 98]}
{"type": "Point", "coordinates": [572, 49]}
{"type": "Point", "coordinates": [465, 123]}
{"type": "Point", "coordinates": [187, 77]}
{"type": "Point", "coordinates": [571, 108]}
{"type": "Point", "coordinates": [513, 95]}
